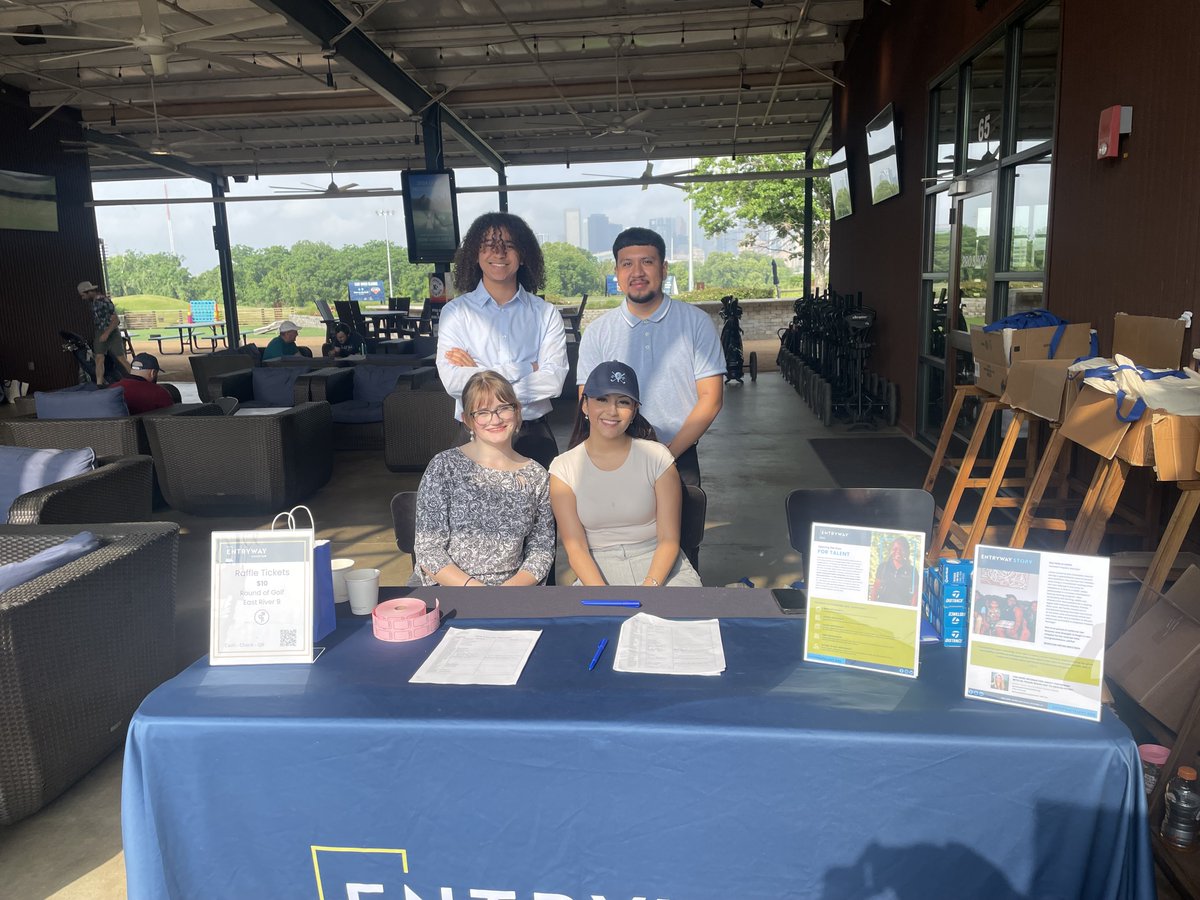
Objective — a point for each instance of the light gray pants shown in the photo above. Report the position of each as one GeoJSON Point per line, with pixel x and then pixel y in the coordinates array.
{"type": "Point", "coordinates": [629, 563]}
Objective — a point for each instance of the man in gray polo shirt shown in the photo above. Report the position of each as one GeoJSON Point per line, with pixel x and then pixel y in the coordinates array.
{"type": "Point", "coordinates": [673, 347]}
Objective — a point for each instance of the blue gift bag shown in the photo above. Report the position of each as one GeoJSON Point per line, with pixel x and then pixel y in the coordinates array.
{"type": "Point", "coordinates": [324, 614]}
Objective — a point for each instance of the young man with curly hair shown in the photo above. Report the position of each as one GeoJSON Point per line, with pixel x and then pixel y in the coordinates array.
{"type": "Point", "coordinates": [497, 322]}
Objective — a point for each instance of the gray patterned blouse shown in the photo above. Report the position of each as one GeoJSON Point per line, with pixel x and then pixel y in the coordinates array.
{"type": "Point", "coordinates": [488, 522]}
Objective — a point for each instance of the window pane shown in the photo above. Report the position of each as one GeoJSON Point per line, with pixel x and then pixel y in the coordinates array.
{"type": "Point", "coordinates": [936, 304]}
{"type": "Point", "coordinates": [938, 256]}
{"type": "Point", "coordinates": [1031, 203]}
{"type": "Point", "coordinates": [1038, 75]}
{"type": "Point", "coordinates": [933, 392]}
{"type": "Point", "coordinates": [975, 260]}
{"type": "Point", "coordinates": [1023, 296]}
{"type": "Point", "coordinates": [987, 106]}
{"type": "Point", "coordinates": [946, 97]}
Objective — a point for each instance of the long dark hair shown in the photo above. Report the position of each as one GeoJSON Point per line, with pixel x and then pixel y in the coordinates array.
{"type": "Point", "coordinates": [531, 274]}
{"type": "Point", "coordinates": [638, 428]}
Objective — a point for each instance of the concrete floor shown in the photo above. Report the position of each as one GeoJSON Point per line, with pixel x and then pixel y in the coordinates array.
{"type": "Point", "coordinates": [757, 452]}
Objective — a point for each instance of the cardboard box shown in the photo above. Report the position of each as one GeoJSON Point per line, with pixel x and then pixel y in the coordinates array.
{"type": "Point", "coordinates": [996, 351]}
{"type": "Point", "coordinates": [1038, 386]}
{"type": "Point", "coordinates": [1157, 661]}
{"type": "Point", "coordinates": [1092, 422]}
{"type": "Point", "coordinates": [1150, 341]}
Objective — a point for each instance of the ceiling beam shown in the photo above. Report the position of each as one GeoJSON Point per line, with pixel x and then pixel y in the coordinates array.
{"type": "Point", "coordinates": [321, 21]}
{"type": "Point", "coordinates": [170, 163]}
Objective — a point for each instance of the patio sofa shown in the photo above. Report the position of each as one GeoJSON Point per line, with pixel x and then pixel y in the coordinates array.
{"type": "Point", "coordinates": [356, 396]}
{"type": "Point", "coordinates": [80, 647]}
{"type": "Point", "coordinates": [114, 488]}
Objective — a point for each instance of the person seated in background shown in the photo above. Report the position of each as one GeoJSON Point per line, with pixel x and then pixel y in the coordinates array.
{"type": "Point", "coordinates": [284, 344]}
{"type": "Point", "coordinates": [142, 391]}
{"type": "Point", "coordinates": [483, 510]}
{"type": "Point", "coordinates": [616, 495]}
{"type": "Point", "coordinates": [345, 343]}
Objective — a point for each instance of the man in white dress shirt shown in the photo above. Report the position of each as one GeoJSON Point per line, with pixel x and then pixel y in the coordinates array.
{"type": "Point", "coordinates": [498, 323]}
{"type": "Point", "coordinates": [673, 346]}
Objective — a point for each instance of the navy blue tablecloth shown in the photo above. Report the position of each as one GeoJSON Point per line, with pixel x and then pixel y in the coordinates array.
{"type": "Point", "coordinates": [777, 779]}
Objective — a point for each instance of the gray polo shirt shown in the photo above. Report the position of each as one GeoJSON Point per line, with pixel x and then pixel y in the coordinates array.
{"type": "Point", "coordinates": [670, 351]}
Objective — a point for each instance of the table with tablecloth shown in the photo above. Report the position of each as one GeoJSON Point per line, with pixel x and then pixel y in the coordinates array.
{"type": "Point", "coordinates": [777, 779]}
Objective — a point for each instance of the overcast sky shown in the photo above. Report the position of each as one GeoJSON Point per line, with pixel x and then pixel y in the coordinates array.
{"type": "Point", "coordinates": [354, 221]}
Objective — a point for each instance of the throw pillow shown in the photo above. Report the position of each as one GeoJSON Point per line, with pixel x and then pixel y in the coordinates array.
{"type": "Point", "coordinates": [373, 383]}
{"type": "Point", "coordinates": [24, 469]}
{"type": "Point", "coordinates": [275, 387]}
{"type": "Point", "coordinates": [81, 404]}
{"type": "Point", "coordinates": [17, 573]}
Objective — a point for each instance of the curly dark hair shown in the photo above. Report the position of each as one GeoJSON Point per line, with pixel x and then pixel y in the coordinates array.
{"type": "Point", "coordinates": [531, 275]}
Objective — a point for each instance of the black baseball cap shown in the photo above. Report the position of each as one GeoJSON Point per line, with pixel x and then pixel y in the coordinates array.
{"type": "Point", "coordinates": [612, 377]}
{"type": "Point", "coordinates": [145, 362]}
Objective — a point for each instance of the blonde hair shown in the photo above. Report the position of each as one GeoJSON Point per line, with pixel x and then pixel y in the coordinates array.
{"type": "Point", "coordinates": [489, 384]}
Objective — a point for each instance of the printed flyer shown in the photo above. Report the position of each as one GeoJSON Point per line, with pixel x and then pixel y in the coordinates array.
{"type": "Point", "coordinates": [1037, 630]}
{"type": "Point", "coordinates": [864, 589]}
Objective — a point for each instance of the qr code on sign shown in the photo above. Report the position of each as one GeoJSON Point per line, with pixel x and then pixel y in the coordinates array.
{"type": "Point", "coordinates": [287, 637]}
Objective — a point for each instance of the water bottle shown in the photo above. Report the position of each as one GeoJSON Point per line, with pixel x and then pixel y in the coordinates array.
{"type": "Point", "coordinates": [1182, 817]}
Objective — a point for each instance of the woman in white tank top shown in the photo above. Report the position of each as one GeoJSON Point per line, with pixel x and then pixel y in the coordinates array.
{"type": "Point", "coordinates": [616, 493]}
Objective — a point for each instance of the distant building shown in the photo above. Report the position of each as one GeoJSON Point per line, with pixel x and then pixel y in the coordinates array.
{"type": "Point", "coordinates": [673, 230]}
{"type": "Point", "coordinates": [573, 225]}
{"type": "Point", "coordinates": [601, 233]}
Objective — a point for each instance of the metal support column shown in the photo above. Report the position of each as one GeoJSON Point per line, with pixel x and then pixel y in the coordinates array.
{"type": "Point", "coordinates": [502, 181]}
{"type": "Point", "coordinates": [225, 263]}
{"type": "Point", "coordinates": [808, 227]}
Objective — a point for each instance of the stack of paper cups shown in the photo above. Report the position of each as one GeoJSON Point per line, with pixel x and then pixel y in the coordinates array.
{"type": "Point", "coordinates": [340, 568]}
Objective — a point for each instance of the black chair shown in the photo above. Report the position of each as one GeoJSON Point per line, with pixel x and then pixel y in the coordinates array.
{"type": "Point", "coordinates": [404, 523]}
{"type": "Point", "coordinates": [573, 318]}
{"type": "Point", "coordinates": [328, 319]}
{"type": "Point", "coordinates": [904, 509]}
{"type": "Point", "coordinates": [691, 523]}
{"type": "Point", "coordinates": [399, 304]}
{"type": "Point", "coordinates": [349, 314]}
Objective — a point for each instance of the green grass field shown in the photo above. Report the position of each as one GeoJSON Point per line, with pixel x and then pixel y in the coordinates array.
{"type": "Point", "coordinates": [147, 302]}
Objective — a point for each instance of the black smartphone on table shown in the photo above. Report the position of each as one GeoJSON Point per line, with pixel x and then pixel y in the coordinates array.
{"type": "Point", "coordinates": [792, 601]}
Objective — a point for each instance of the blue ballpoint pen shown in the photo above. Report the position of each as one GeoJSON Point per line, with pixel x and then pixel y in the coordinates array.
{"type": "Point", "coordinates": [599, 650]}
{"type": "Point", "coordinates": [634, 604]}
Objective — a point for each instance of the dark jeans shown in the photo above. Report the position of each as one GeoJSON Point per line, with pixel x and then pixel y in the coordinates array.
{"type": "Point", "coordinates": [687, 464]}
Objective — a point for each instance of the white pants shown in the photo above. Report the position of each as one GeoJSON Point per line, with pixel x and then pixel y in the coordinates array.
{"type": "Point", "coordinates": [630, 563]}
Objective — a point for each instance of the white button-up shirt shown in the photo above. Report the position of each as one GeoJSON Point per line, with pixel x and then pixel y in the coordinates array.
{"type": "Point", "coordinates": [507, 338]}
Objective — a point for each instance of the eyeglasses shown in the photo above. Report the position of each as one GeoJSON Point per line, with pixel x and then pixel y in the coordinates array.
{"type": "Point", "coordinates": [497, 246]}
{"type": "Point", "coordinates": [503, 413]}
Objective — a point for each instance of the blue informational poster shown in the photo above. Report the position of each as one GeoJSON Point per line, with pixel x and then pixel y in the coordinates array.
{"type": "Point", "coordinates": [610, 285]}
{"type": "Point", "coordinates": [367, 291]}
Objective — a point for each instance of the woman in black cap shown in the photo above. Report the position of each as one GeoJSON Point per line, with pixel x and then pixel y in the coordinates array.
{"type": "Point", "coordinates": [616, 493]}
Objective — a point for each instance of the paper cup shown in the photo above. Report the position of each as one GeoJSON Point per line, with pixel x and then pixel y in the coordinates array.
{"type": "Point", "coordinates": [340, 568]}
{"type": "Point", "coordinates": [363, 586]}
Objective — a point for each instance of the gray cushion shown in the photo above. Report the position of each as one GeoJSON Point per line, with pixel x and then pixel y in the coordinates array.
{"type": "Point", "coordinates": [47, 560]}
{"type": "Point", "coordinates": [81, 404]}
{"type": "Point", "coordinates": [275, 387]}
{"type": "Point", "coordinates": [373, 383]}
{"type": "Point", "coordinates": [356, 412]}
{"type": "Point", "coordinates": [25, 469]}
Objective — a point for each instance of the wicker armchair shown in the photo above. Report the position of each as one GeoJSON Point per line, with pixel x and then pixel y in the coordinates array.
{"type": "Point", "coordinates": [243, 465]}
{"type": "Point", "coordinates": [240, 384]}
{"type": "Point", "coordinates": [351, 428]}
{"type": "Point", "coordinates": [417, 425]}
{"type": "Point", "coordinates": [115, 489]}
{"type": "Point", "coordinates": [112, 438]}
{"type": "Point", "coordinates": [206, 365]}
{"type": "Point", "coordinates": [79, 649]}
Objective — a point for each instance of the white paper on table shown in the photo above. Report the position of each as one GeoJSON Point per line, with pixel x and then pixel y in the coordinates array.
{"type": "Point", "coordinates": [657, 646]}
{"type": "Point", "coordinates": [477, 656]}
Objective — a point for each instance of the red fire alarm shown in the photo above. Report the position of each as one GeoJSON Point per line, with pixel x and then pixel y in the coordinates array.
{"type": "Point", "coordinates": [1114, 122]}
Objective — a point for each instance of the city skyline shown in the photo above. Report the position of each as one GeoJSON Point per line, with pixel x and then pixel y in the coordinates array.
{"type": "Point", "coordinates": [186, 229]}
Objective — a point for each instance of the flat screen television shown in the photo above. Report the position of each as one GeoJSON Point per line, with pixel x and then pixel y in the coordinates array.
{"type": "Point", "coordinates": [839, 184]}
{"type": "Point", "coordinates": [28, 202]}
{"type": "Point", "coordinates": [430, 215]}
{"type": "Point", "coordinates": [881, 156]}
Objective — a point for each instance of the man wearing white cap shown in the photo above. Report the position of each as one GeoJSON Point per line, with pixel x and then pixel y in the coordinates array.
{"type": "Point", "coordinates": [106, 337]}
{"type": "Point", "coordinates": [285, 343]}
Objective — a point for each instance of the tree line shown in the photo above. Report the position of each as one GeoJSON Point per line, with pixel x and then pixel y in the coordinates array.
{"type": "Point", "coordinates": [313, 270]}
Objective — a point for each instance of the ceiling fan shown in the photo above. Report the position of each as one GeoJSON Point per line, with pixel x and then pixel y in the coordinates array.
{"type": "Point", "coordinates": [333, 189]}
{"type": "Point", "coordinates": [158, 45]}
{"type": "Point", "coordinates": [617, 123]}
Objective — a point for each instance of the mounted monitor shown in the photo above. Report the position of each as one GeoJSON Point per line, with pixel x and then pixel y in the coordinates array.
{"type": "Point", "coordinates": [28, 202]}
{"type": "Point", "coordinates": [839, 184]}
{"type": "Point", "coordinates": [430, 215]}
{"type": "Point", "coordinates": [881, 156]}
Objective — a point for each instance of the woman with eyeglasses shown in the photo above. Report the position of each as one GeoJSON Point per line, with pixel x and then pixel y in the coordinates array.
{"type": "Point", "coordinates": [483, 510]}
{"type": "Point", "coordinates": [616, 494]}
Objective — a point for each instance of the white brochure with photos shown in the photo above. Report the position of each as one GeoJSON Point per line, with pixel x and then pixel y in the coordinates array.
{"type": "Point", "coordinates": [1036, 634]}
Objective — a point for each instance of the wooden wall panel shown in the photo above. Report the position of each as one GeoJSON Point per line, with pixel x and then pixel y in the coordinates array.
{"type": "Point", "coordinates": [39, 269]}
{"type": "Point", "coordinates": [897, 53]}
{"type": "Point", "coordinates": [1125, 235]}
